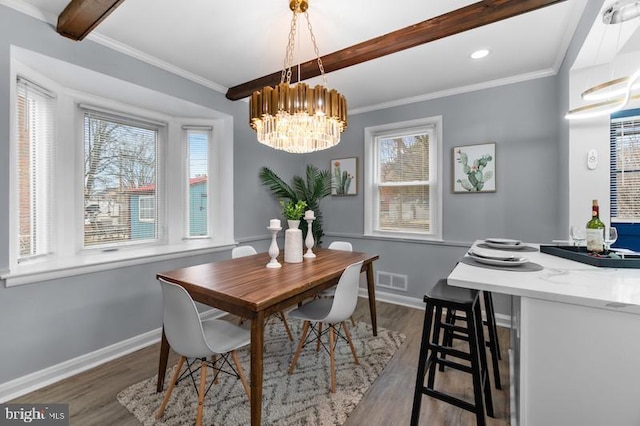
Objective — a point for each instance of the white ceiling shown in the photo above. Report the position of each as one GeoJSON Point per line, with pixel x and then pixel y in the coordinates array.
{"type": "Point", "coordinates": [223, 44]}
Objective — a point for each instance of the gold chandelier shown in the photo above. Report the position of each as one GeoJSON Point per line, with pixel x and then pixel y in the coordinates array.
{"type": "Point", "coordinates": [298, 118]}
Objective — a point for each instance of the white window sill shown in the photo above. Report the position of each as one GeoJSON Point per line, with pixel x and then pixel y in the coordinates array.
{"type": "Point", "coordinates": [402, 236]}
{"type": "Point", "coordinates": [46, 268]}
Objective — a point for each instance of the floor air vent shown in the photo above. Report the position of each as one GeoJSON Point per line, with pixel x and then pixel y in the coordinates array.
{"type": "Point", "coordinates": [391, 280]}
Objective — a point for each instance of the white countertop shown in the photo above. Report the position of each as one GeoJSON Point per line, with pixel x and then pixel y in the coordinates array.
{"type": "Point", "coordinates": [561, 280]}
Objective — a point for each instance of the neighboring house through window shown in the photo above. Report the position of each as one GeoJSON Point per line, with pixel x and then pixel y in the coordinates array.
{"type": "Point", "coordinates": [120, 175]}
{"type": "Point", "coordinates": [403, 190]}
{"type": "Point", "coordinates": [198, 140]}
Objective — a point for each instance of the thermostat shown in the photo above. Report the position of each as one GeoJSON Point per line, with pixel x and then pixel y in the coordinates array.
{"type": "Point", "coordinates": [592, 159]}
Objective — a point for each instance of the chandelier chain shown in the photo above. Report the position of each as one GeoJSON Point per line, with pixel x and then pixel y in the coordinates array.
{"type": "Point", "coordinates": [288, 56]}
{"type": "Point", "coordinates": [315, 49]}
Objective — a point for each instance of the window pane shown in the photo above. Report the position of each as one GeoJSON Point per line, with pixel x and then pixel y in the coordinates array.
{"type": "Point", "coordinates": [34, 150]}
{"type": "Point", "coordinates": [404, 208]}
{"type": "Point", "coordinates": [120, 181]}
{"type": "Point", "coordinates": [198, 165]}
{"type": "Point", "coordinates": [628, 197]}
{"type": "Point", "coordinates": [404, 182]}
{"type": "Point", "coordinates": [404, 159]}
{"type": "Point", "coordinates": [625, 169]}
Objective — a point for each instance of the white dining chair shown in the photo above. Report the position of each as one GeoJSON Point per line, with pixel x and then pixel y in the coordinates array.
{"type": "Point", "coordinates": [329, 292]}
{"type": "Point", "coordinates": [242, 251]}
{"type": "Point", "coordinates": [340, 245]}
{"type": "Point", "coordinates": [333, 312]}
{"type": "Point", "coordinates": [194, 339]}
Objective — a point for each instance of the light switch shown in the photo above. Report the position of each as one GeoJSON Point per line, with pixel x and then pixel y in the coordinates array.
{"type": "Point", "coordinates": [592, 159]}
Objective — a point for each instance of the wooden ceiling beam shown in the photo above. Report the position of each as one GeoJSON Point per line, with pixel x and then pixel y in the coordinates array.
{"type": "Point", "coordinates": [80, 17]}
{"type": "Point", "coordinates": [467, 18]}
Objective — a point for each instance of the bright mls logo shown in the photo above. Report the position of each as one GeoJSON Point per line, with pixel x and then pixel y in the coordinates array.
{"type": "Point", "coordinates": [35, 414]}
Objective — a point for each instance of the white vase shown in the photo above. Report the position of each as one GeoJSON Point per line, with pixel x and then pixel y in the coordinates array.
{"type": "Point", "coordinates": [293, 242]}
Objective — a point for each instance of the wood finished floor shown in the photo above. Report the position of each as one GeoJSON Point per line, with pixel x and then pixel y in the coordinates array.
{"type": "Point", "coordinates": [92, 395]}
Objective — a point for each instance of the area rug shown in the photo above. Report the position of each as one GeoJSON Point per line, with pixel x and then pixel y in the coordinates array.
{"type": "Point", "coordinates": [302, 398]}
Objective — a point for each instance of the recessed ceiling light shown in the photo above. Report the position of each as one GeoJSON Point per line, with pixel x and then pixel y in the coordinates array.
{"type": "Point", "coordinates": [478, 54]}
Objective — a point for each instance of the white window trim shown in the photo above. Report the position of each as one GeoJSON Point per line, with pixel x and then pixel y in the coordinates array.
{"type": "Point", "coordinates": [70, 259]}
{"type": "Point", "coordinates": [371, 195]}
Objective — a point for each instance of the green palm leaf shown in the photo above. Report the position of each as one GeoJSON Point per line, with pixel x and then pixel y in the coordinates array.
{"type": "Point", "coordinates": [278, 187]}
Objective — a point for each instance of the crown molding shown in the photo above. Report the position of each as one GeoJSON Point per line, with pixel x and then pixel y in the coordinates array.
{"type": "Point", "coordinates": [152, 60]}
{"type": "Point", "coordinates": [457, 91]}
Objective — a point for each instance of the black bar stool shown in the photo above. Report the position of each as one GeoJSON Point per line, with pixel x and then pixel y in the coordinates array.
{"type": "Point", "coordinates": [492, 342]}
{"type": "Point", "coordinates": [433, 353]}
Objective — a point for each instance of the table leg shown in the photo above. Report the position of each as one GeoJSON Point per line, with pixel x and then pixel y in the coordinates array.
{"type": "Point", "coordinates": [257, 343]}
{"type": "Point", "coordinates": [371, 286]}
{"type": "Point", "coordinates": [162, 364]}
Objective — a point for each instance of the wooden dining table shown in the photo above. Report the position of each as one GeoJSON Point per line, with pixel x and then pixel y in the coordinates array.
{"type": "Point", "coordinates": [247, 288]}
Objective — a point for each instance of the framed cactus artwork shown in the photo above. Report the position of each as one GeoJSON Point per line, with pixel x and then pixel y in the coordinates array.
{"type": "Point", "coordinates": [474, 168]}
{"type": "Point", "coordinates": [344, 176]}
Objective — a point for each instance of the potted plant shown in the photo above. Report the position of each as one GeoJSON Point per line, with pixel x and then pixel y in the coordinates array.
{"type": "Point", "coordinates": [293, 211]}
{"type": "Point", "coordinates": [311, 189]}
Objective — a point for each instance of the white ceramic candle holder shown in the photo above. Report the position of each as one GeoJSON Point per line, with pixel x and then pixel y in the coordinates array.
{"type": "Point", "coordinates": [309, 241]}
{"type": "Point", "coordinates": [274, 251]}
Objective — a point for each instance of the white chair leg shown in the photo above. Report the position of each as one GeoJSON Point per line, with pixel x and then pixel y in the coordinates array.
{"type": "Point", "coordinates": [172, 384]}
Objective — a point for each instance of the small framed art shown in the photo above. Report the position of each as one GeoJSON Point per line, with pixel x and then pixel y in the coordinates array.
{"type": "Point", "coordinates": [474, 168]}
{"type": "Point", "coordinates": [344, 176]}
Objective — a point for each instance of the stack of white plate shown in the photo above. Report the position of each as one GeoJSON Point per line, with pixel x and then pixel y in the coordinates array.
{"type": "Point", "coordinates": [504, 243]}
{"type": "Point", "coordinates": [491, 258]}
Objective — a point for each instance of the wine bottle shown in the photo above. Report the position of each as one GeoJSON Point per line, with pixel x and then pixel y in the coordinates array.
{"type": "Point", "coordinates": [595, 231]}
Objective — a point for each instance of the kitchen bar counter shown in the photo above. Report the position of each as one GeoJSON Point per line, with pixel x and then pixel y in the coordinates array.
{"type": "Point", "coordinates": [575, 347]}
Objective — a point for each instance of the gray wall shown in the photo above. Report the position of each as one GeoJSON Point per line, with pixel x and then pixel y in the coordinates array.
{"type": "Point", "coordinates": [49, 322]}
{"type": "Point", "coordinates": [521, 120]}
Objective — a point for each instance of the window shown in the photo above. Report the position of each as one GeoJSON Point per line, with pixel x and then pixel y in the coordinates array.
{"type": "Point", "coordinates": [403, 188]}
{"type": "Point", "coordinates": [100, 183]}
{"type": "Point", "coordinates": [625, 177]}
{"type": "Point", "coordinates": [35, 141]}
{"type": "Point", "coordinates": [120, 179]}
{"type": "Point", "coordinates": [198, 139]}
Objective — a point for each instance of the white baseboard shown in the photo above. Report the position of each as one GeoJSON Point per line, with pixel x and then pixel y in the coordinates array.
{"type": "Point", "coordinates": [39, 379]}
{"type": "Point", "coordinates": [55, 373]}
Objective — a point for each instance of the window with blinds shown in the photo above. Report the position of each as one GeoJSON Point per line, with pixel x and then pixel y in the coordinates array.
{"type": "Point", "coordinates": [35, 142]}
{"type": "Point", "coordinates": [403, 179]}
{"type": "Point", "coordinates": [625, 167]}
{"type": "Point", "coordinates": [120, 179]}
{"type": "Point", "coordinates": [197, 139]}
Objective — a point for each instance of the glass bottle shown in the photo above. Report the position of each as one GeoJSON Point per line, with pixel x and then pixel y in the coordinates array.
{"type": "Point", "coordinates": [595, 231]}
